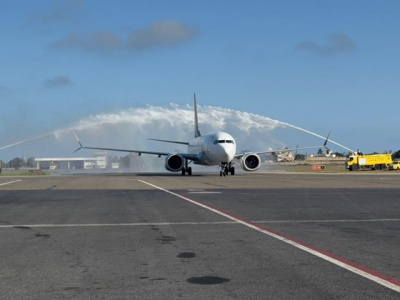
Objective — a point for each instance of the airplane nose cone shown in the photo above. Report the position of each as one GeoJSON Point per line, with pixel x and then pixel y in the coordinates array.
{"type": "Point", "coordinates": [227, 153]}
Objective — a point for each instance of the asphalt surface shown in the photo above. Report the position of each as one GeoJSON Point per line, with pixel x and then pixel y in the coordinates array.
{"type": "Point", "coordinates": [161, 236]}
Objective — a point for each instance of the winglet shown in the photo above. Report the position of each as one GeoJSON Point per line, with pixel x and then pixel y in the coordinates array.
{"type": "Point", "coordinates": [328, 150]}
{"type": "Point", "coordinates": [80, 144]}
{"type": "Point", "coordinates": [196, 121]}
{"type": "Point", "coordinates": [327, 139]}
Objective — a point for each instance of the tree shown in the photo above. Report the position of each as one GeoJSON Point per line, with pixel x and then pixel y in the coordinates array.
{"type": "Point", "coordinates": [15, 163]}
{"type": "Point", "coordinates": [31, 162]}
{"type": "Point", "coordinates": [125, 161]}
{"type": "Point", "coordinates": [338, 154]}
{"type": "Point", "coordinates": [396, 155]}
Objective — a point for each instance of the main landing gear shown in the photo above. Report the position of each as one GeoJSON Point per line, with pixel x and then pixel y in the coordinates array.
{"type": "Point", "coordinates": [186, 169]}
{"type": "Point", "coordinates": [226, 169]}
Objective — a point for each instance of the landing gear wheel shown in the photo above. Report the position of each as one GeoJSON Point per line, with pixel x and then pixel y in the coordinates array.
{"type": "Point", "coordinates": [232, 171]}
{"type": "Point", "coordinates": [220, 173]}
{"type": "Point", "coordinates": [189, 171]}
{"type": "Point", "coordinates": [183, 171]}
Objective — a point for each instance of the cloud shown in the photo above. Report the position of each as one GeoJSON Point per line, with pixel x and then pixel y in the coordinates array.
{"type": "Point", "coordinates": [163, 33]}
{"type": "Point", "coordinates": [57, 81]}
{"type": "Point", "coordinates": [160, 34]}
{"type": "Point", "coordinates": [61, 11]}
{"type": "Point", "coordinates": [338, 44]}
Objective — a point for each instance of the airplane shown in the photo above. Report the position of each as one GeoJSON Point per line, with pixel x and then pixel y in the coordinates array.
{"type": "Point", "coordinates": [213, 149]}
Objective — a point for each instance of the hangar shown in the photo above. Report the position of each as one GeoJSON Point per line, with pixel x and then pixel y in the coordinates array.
{"type": "Point", "coordinates": [98, 161]}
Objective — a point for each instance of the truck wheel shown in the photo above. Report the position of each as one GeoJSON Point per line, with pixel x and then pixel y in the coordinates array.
{"type": "Point", "coordinates": [355, 168]}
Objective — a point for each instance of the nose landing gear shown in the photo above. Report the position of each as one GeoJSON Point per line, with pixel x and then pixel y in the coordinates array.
{"type": "Point", "coordinates": [227, 168]}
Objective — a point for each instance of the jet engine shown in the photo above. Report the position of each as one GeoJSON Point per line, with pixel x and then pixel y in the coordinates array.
{"type": "Point", "coordinates": [250, 162]}
{"type": "Point", "coordinates": [174, 162]}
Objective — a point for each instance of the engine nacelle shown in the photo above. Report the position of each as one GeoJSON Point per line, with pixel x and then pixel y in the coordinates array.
{"type": "Point", "coordinates": [250, 162]}
{"type": "Point", "coordinates": [174, 162]}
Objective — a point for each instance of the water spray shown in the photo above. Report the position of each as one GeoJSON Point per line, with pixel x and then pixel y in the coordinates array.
{"type": "Point", "coordinates": [27, 140]}
{"type": "Point", "coordinates": [315, 134]}
{"type": "Point", "coordinates": [156, 121]}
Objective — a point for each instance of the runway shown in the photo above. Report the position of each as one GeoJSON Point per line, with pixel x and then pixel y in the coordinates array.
{"type": "Point", "coordinates": [158, 236]}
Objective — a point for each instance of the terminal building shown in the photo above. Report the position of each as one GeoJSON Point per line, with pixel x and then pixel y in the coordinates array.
{"type": "Point", "coordinates": [98, 161]}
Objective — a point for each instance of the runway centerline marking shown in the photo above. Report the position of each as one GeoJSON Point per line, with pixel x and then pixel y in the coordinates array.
{"type": "Point", "coordinates": [367, 273]}
{"type": "Point", "coordinates": [10, 182]}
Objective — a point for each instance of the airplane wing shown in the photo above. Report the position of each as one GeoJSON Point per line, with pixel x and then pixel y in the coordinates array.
{"type": "Point", "coordinates": [168, 141]}
{"type": "Point", "coordinates": [139, 152]}
{"type": "Point", "coordinates": [238, 156]}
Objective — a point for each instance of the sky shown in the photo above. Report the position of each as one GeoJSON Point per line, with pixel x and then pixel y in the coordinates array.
{"type": "Point", "coordinates": [325, 66]}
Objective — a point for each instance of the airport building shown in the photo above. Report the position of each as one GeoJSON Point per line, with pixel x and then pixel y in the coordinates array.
{"type": "Point", "coordinates": [98, 161]}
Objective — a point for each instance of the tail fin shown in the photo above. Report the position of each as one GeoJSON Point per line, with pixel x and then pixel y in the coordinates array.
{"type": "Point", "coordinates": [196, 121]}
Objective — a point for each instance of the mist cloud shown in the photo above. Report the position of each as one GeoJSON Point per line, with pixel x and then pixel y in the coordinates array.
{"type": "Point", "coordinates": [160, 34]}
{"type": "Point", "coordinates": [61, 11]}
{"type": "Point", "coordinates": [103, 42]}
{"type": "Point", "coordinates": [163, 33]}
{"type": "Point", "coordinates": [338, 44]}
{"type": "Point", "coordinates": [57, 81]}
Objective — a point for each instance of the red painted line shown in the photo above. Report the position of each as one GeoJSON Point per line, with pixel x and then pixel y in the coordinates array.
{"type": "Point", "coordinates": [324, 252]}
{"type": "Point", "coordinates": [331, 255]}
{"type": "Point", "coordinates": [368, 273]}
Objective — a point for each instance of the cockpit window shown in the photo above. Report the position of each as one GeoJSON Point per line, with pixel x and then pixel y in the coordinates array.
{"type": "Point", "coordinates": [225, 141]}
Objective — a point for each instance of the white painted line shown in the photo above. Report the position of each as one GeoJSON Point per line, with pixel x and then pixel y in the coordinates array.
{"type": "Point", "coordinates": [372, 275]}
{"type": "Point", "coordinates": [178, 223]}
{"type": "Point", "coordinates": [10, 182]}
{"type": "Point", "coordinates": [205, 192]}
{"type": "Point", "coordinates": [202, 191]}
{"type": "Point", "coordinates": [26, 226]}
{"type": "Point", "coordinates": [327, 221]}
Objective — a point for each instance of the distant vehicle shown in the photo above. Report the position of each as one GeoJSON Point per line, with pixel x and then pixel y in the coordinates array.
{"type": "Point", "coordinates": [394, 165]}
{"type": "Point", "coordinates": [368, 162]}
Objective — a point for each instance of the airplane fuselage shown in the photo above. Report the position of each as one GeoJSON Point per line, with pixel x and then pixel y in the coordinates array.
{"type": "Point", "coordinates": [213, 149]}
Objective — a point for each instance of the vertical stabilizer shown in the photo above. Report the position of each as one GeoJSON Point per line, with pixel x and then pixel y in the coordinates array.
{"type": "Point", "coordinates": [196, 121]}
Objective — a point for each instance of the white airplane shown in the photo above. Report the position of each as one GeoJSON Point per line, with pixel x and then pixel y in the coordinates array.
{"type": "Point", "coordinates": [213, 149]}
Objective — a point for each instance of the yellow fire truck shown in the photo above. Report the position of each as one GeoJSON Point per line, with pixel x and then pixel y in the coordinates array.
{"type": "Point", "coordinates": [368, 162]}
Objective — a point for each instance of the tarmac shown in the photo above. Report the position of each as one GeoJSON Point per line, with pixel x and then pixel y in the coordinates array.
{"type": "Point", "coordinates": [254, 235]}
